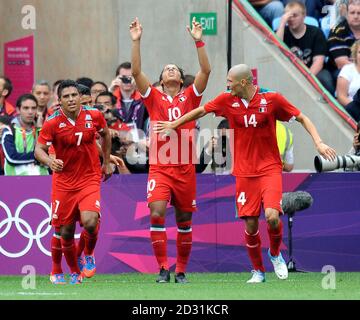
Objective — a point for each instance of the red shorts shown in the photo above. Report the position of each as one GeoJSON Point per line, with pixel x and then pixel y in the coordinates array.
{"type": "Point", "coordinates": [252, 192]}
{"type": "Point", "coordinates": [177, 183]}
{"type": "Point", "coordinates": [67, 205]}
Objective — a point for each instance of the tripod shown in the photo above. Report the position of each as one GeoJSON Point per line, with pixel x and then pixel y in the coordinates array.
{"type": "Point", "coordinates": [291, 263]}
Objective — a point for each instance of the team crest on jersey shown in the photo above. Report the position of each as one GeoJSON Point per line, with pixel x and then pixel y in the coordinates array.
{"type": "Point", "coordinates": [182, 99]}
{"type": "Point", "coordinates": [88, 124]}
{"type": "Point", "coordinates": [262, 109]}
{"type": "Point", "coordinates": [88, 117]}
{"type": "Point", "coordinates": [236, 105]}
{"type": "Point", "coordinates": [62, 125]}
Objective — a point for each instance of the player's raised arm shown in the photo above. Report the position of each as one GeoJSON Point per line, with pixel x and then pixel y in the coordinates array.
{"type": "Point", "coordinates": [41, 154]}
{"type": "Point", "coordinates": [165, 126]}
{"type": "Point", "coordinates": [323, 149]}
{"type": "Point", "coordinates": [142, 82]}
{"type": "Point", "coordinates": [202, 77]}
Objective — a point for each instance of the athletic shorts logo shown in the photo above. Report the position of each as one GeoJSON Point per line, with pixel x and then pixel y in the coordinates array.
{"type": "Point", "coordinates": [194, 203]}
{"type": "Point", "coordinates": [97, 204]}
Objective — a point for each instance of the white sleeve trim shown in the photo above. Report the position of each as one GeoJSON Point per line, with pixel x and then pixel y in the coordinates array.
{"type": "Point", "coordinates": [147, 93]}
{"type": "Point", "coordinates": [8, 158]}
{"type": "Point", "coordinates": [196, 92]}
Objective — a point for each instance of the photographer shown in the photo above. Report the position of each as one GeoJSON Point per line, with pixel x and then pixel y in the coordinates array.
{"type": "Point", "coordinates": [129, 102]}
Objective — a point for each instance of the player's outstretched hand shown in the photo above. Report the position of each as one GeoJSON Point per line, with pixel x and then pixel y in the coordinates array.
{"type": "Point", "coordinates": [164, 127]}
{"type": "Point", "coordinates": [56, 165]}
{"type": "Point", "coordinates": [135, 30]}
{"type": "Point", "coordinates": [107, 171]}
{"type": "Point", "coordinates": [327, 152]}
{"type": "Point", "coordinates": [117, 161]}
{"type": "Point", "coordinates": [196, 30]}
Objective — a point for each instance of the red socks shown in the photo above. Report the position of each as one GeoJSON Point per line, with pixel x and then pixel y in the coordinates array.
{"type": "Point", "coordinates": [81, 244]}
{"type": "Point", "coordinates": [159, 241]}
{"type": "Point", "coordinates": [69, 250]}
{"type": "Point", "coordinates": [275, 236]}
{"type": "Point", "coordinates": [253, 245]}
{"type": "Point", "coordinates": [90, 241]}
{"type": "Point", "coordinates": [183, 244]}
{"type": "Point", "coordinates": [56, 252]}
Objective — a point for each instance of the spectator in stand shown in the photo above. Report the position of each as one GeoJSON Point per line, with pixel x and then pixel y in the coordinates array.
{"type": "Point", "coordinates": [307, 42]}
{"type": "Point", "coordinates": [5, 121]}
{"type": "Point", "coordinates": [129, 101]}
{"type": "Point", "coordinates": [348, 84]}
{"type": "Point", "coordinates": [19, 140]}
{"type": "Point", "coordinates": [6, 108]}
{"type": "Point", "coordinates": [97, 88]}
{"type": "Point", "coordinates": [268, 9]}
{"type": "Point", "coordinates": [85, 95]}
{"type": "Point", "coordinates": [42, 92]}
{"type": "Point", "coordinates": [55, 99]}
{"type": "Point", "coordinates": [342, 37]}
{"type": "Point", "coordinates": [85, 81]}
{"type": "Point", "coordinates": [313, 7]}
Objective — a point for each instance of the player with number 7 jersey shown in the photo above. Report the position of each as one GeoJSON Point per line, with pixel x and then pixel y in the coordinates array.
{"type": "Point", "coordinates": [77, 173]}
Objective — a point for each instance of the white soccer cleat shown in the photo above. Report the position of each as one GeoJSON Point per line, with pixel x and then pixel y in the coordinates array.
{"type": "Point", "coordinates": [280, 267]}
{"type": "Point", "coordinates": [257, 277]}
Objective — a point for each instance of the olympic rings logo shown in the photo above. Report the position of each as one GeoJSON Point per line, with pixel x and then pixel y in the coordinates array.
{"type": "Point", "coordinates": [24, 228]}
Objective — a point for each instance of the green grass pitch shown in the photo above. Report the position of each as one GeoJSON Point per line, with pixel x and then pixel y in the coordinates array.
{"type": "Point", "coordinates": [203, 286]}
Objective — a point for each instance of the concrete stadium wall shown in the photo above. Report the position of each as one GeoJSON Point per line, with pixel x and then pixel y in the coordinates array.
{"type": "Point", "coordinates": [72, 38]}
{"type": "Point", "coordinates": [91, 37]}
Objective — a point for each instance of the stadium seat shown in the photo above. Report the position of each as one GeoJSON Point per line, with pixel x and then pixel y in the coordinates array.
{"type": "Point", "coordinates": [325, 26]}
{"type": "Point", "coordinates": [308, 20]}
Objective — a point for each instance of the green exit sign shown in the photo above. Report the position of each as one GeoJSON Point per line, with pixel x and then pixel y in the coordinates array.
{"type": "Point", "coordinates": [208, 21]}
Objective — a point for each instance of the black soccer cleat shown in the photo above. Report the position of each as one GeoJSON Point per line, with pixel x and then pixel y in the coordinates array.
{"type": "Point", "coordinates": [164, 276]}
{"type": "Point", "coordinates": [181, 278]}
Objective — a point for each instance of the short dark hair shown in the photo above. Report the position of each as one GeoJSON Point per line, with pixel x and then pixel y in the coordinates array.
{"type": "Point", "coordinates": [57, 82]}
{"type": "Point", "coordinates": [224, 124]}
{"type": "Point", "coordinates": [6, 120]}
{"type": "Point", "coordinates": [85, 81]}
{"type": "Point", "coordinates": [83, 90]}
{"type": "Point", "coordinates": [188, 80]}
{"type": "Point", "coordinates": [124, 65]}
{"type": "Point", "coordinates": [67, 84]}
{"type": "Point", "coordinates": [182, 75]}
{"type": "Point", "coordinates": [7, 85]}
{"type": "Point", "coordinates": [107, 94]}
{"type": "Point", "coordinates": [24, 97]}
{"type": "Point", "coordinates": [102, 83]}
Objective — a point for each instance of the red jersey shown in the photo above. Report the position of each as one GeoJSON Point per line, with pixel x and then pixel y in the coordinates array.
{"type": "Point", "coordinates": [74, 143]}
{"type": "Point", "coordinates": [176, 149]}
{"type": "Point", "coordinates": [256, 152]}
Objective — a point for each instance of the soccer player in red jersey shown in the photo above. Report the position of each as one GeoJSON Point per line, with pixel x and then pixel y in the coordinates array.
{"type": "Point", "coordinates": [76, 194]}
{"type": "Point", "coordinates": [171, 178]}
{"type": "Point", "coordinates": [252, 113]}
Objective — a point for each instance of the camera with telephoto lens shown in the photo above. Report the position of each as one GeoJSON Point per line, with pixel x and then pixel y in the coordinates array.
{"type": "Point", "coordinates": [346, 162]}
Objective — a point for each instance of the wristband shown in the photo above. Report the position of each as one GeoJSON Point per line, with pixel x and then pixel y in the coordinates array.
{"type": "Point", "coordinates": [199, 43]}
